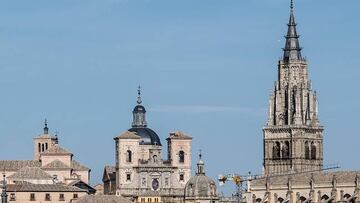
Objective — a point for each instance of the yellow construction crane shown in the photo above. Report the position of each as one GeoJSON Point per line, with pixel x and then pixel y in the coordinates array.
{"type": "Point", "coordinates": [242, 181]}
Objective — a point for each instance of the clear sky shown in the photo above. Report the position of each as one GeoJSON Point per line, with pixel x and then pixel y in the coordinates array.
{"type": "Point", "coordinates": [206, 68]}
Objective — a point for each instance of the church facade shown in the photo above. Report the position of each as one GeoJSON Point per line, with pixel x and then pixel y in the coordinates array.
{"type": "Point", "coordinates": [140, 173]}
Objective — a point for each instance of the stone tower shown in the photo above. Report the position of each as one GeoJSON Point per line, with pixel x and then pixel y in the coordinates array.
{"type": "Point", "coordinates": [44, 142]}
{"type": "Point", "coordinates": [293, 136]}
{"type": "Point", "coordinates": [179, 155]}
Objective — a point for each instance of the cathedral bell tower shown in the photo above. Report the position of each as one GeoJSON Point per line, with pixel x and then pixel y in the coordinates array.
{"type": "Point", "coordinates": [293, 136]}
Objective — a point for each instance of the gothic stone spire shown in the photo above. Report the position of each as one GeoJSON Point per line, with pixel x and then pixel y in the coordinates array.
{"type": "Point", "coordinates": [292, 50]}
{"type": "Point", "coordinates": [293, 124]}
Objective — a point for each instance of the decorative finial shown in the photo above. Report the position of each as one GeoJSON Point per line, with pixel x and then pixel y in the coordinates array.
{"type": "Point", "coordinates": [56, 137]}
{"type": "Point", "coordinates": [139, 101]}
{"type": "Point", "coordinates": [200, 154]}
{"type": "Point", "coordinates": [46, 129]}
{"type": "Point", "coordinates": [292, 5]}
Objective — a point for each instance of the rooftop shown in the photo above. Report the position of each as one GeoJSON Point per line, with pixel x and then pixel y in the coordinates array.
{"type": "Point", "coordinates": [33, 173]}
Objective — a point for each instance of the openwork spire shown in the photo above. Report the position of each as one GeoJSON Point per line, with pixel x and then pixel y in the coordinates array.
{"type": "Point", "coordinates": [292, 50]}
{"type": "Point", "coordinates": [46, 129]}
{"type": "Point", "coordinates": [139, 113]}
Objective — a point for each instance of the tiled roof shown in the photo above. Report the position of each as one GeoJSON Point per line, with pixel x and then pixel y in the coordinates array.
{"type": "Point", "coordinates": [179, 135]}
{"type": "Point", "coordinates": [56, 165]}
{"type": "Point", "coordinates": [15, 165]}
{"type": "Point", "coordinates": [78, 166]}
{"type": "Point", "coordinates": [305, 178]}
{"type": "Point", "coordinates": [33, 173]}
{"type": "Point", "coordinates": [45, 136]}
{"type": "Point", "coordinates": [28, 187]}
{"type": "Point", "coordinates": [56, 149]}
{"type": "Point", "coordinates": [102, 199]}
{"type": "Point", "coordinates": [128, 135]}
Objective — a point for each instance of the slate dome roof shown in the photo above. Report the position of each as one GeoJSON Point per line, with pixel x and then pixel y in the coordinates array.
{"type": "Point", "coordinates": [148, 136]}
{"type": "Point", "coordinates": [139, 108]}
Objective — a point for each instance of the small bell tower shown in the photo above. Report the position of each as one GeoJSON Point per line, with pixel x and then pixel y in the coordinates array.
{"type": "Point", "coordinates": [44, 141]}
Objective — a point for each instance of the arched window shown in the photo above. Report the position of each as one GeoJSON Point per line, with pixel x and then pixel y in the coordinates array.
{"type": "Point", "coordinates": [313, 151]}
{"type": "Point", "coordinates": [39, 145]}
{"type": "Point", "coordinates": [347, 196]}
{"type": "Point", "coordinates": [276, 150]}
{"type": "Point", "coordinates": [155, 158]}
{"type": "Point", "coordinates": [302, 199]}
{"type": "Point", "coordinates": [280, 200]}
{"type": "Point", "coordinates": [181, 156]}
{"type": "Point", "coordinates": [286, 150]}
{"type": "Point", "coordinates": [128, 156]}
{"type": "Point", "coordinates": [324, 197]}
{"type": "Point", "coordinates": [42, 147]}
{"type": "Point", "coordinates": [46, 146]}
{"type": "Point", "coordinates": [307, 150]}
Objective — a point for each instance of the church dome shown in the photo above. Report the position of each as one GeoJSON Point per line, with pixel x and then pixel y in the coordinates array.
{"type": "Point", "coordinates": [148, 136]}
{"type": "Point", "coordinates": [200, 186]}
{"type": "Point", "coordinates": [139, 108]}
{"type": "Point", "coordinates": [139, 125]}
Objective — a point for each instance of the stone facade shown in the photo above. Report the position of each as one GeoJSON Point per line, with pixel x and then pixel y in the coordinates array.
{"type": "Point", "coordinates": [293, 141]}
{"type": "Point", "coordinates": [140, 171]}
{"type": "Point", "coordinates": [340, 186]}
{"type": "Point", "coordinates": [293, 136]}
{"type": "Point", "coordinates": [36, 193]}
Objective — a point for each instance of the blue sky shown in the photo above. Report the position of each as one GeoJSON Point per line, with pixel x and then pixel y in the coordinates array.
{"type": "Point", "coordinates": [206, 68]}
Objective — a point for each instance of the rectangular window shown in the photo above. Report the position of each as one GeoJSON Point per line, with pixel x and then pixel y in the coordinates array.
{"type": "Point", "coordinates": [128, 177]}
{"type": "Point", "coordinates": [61, 197]}
{"type": "Point", "coordinates": [47, 197]}
{"type": "Point", "coordinates": [181, 177]}
{"type": "Point", "coordinates": [149, 199]}
{"type": "Point", "coordinates": [12, 197]}
{"type": "Point", "coordinates": [156, 199]}
{"type": "Point", "coordinates": [75, 196]}
{"type": "Point", "coordinates": [32, 196]}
